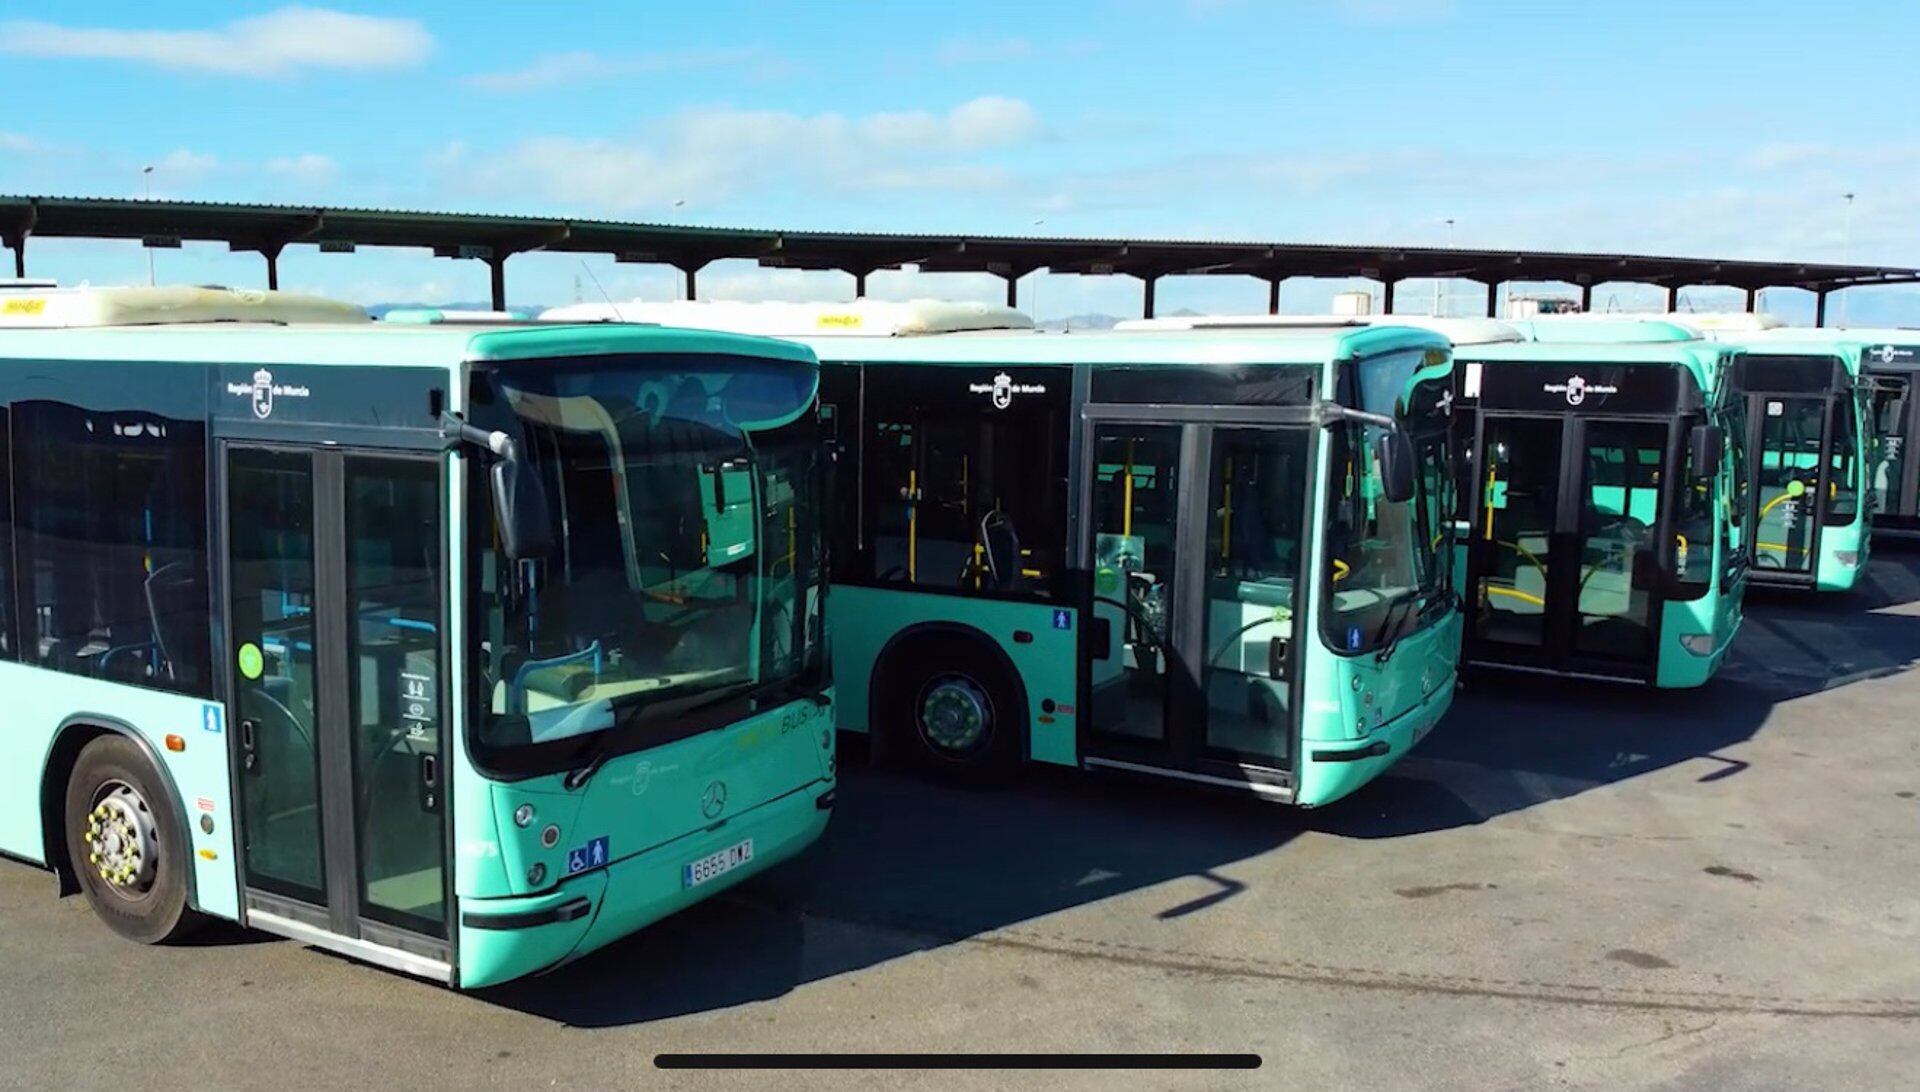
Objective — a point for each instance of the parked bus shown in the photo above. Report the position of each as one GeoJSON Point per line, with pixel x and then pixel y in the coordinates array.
{"type": "Point", "coordinates": [460, 651]}
{"type": "Point", "coordinates": [1810, 446]}
{"type": "Point", "coordinates": [1210, 557]}
{"type": "Point", "coordinates": [1891, 361]}
{"type": "Point", "coordinates": [1597, 533]}
{"type": "Point", "coordinates": [1603, 521]}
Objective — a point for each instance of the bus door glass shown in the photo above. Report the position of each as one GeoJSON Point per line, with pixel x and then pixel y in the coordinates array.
{"type": "Point", "coordinates": [1135, 522]}
{"type": "Point", "coordinates": [1786, 480]}
{"type": "Point", "coordinates": [334, 631]}
{"type": "Point", "coordinates": [1196, 554]}
{"type": "Point", "coordinates": [1892, 402]}
{"type": "Point", "coordinates": [1565, 546]}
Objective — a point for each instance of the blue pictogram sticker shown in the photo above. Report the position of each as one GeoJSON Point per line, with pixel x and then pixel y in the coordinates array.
{"type": "Point", "coordinates": [591, 855]}
{"type": "Point", "coordinates": [1062, 619]}
{"type": "Point", "coordinates": [212, 719]}
{"type": "Point", "coordinates": [1353, 638]}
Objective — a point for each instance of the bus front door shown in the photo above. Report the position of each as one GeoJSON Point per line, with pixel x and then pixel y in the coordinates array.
{"type": "Point", "coordinates": [1788, 460]}
{"type": "Point", "coordinates": [334, 645]}
{"type": "Point", "coordinates": [1563, 557]}
{"type": "Point", "coordinates": [1193, 542]}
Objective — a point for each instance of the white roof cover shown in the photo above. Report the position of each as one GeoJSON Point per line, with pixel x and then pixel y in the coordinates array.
{"type": "Point", "coordinates": [45, 308]}
{"type": "Point", "coordinates": [1460, 331]}
{"type": "Point", "coordinates": [1709, 321]}
{"type": "Point", "coordinates": [861, 318]}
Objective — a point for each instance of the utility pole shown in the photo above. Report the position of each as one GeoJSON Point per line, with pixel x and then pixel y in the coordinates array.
{"type": "Point", "coordinates": [1846, 252]}
{"type": "Point", "coordinates": [146, 183]}
{"type": "Point", "coordinates": [1436, 280]}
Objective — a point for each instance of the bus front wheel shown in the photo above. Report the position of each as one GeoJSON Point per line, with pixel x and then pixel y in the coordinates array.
{"type": "Point", "coordinates": [124, 843]}
{"type": "Point", "coordinates": [952, 709]}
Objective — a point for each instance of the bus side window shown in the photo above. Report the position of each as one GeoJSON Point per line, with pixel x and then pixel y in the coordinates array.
{"type": "Point", "coordinates": [111, 511]}
{"type": "Point", "coordinates": [943, 476]}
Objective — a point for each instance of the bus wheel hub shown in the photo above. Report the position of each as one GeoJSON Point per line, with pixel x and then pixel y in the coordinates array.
{"type": "Point", "coordinates": [955, 715]}
{"type": "Point", "coordinates": [121, 842]}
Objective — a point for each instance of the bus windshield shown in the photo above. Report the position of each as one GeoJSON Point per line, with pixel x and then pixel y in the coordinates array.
{"type": "Point", "coordinates": [686, 567]}
{"type": "Point", "coordinates": [1388, 560]}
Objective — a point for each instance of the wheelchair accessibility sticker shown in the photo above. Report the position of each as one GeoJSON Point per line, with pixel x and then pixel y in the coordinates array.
{"type": "Point", "coordinates": [591, 855]}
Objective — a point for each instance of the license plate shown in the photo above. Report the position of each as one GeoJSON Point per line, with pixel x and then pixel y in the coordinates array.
{"type": "Point", "coordinates": [695, 873]}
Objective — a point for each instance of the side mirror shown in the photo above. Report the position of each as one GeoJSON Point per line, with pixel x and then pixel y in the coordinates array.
{"type": "Point", "coordinates": [1705, 444]}
{"type": "Point", "coordinates": [520, 504]}
{"type": "Point", "coordinates": [1395, 454]}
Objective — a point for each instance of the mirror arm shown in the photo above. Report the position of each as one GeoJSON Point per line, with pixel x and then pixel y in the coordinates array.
{"type": "Point", "coordinates": [455, 429]}
{"type": "Point", "coordinates": [1333, 413]}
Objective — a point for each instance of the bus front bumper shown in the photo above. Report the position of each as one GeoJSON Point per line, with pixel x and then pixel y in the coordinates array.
{"type": "Point", "coordinates": [505, 939]}
{"type": "Point", "coordinates": [1337, 767]}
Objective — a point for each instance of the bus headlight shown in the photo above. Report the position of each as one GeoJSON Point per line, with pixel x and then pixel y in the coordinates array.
{"type": "Point", "coordinates": [523, 816]}
{"type": "Point", "coordinates": [1700, 644]}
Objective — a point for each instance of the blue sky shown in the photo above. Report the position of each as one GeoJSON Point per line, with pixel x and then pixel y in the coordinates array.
{"type": "Point", "coordinates": [1699, 128]}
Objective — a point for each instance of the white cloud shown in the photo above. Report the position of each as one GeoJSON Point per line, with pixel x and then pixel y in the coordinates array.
{"type": "Point", "coordinates": [578, 66]}
{"type": "Point", "coordinates": [308, 169]}
{"type": "Point", "coordinates": [711, 154]}
{"type": "Point", "coordinates": [17, 144]}
{"type": "Point", "coordinates": [184, 165]}
{"type": "Point", "coordinates": [278, 43]}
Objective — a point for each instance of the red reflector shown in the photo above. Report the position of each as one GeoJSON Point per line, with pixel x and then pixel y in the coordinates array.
{"type": "Point", "coordinates": [176, 743]}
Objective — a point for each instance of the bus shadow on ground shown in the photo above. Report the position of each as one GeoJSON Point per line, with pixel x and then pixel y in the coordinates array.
{"type": "Point", "coordinates": [1514, 741]}
{"type": "Point", "coordinates": [909, 866]}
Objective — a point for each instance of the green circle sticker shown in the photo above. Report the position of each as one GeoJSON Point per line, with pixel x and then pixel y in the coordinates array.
{"type": "Point", "coordinates": [252, 663]}
{"type": "Point", "coordinates": [1796, 488]}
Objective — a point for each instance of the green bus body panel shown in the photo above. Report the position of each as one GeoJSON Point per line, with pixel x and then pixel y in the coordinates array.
{"type": "Point", "coordinates": [1397, 702]}
{"type": "Point", "coordinates": [38, 702]}
{"type": "Point", "coordinates": [862, 620]}
{"type": "Point", "coordinates": [633, 893]}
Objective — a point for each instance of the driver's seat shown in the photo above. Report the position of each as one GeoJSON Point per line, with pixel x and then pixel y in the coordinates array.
{"type": "Point", "coordinates": [1002, 544]}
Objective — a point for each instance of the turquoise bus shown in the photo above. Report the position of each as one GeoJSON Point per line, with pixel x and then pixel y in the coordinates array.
{"type": "Point", "coordinates": [1216, 558]}
{"type": "Point", "coordinates": [1810, 446]}
{"type": "Point", "coordinates": [1597, 534]}
{"type": "Point", "coordinates": [1603, 530]}
{"type": "Point", "coordinates": [1890, 359]}
{"type": "Point", "coordinates": [460, 651]}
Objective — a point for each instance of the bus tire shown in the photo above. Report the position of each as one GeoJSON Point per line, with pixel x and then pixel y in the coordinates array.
{"type": "Point", "coordinates": [953, 710]}
{"type": "Point", "coordinates": [125, 843]}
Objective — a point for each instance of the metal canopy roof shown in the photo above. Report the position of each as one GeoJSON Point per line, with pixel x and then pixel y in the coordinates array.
{"type": "Point", "coordinates": [269, 228]}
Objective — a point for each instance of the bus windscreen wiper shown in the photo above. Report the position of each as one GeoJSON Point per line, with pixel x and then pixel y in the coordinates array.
{"type": "Point", "coordinates": [1390, 631]}
{"type": "Point", "coordinates": [604, 742]}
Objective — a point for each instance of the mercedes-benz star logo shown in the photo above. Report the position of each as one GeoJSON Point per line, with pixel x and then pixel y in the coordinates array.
{"type": "Point", "coordinates": [714, 800]}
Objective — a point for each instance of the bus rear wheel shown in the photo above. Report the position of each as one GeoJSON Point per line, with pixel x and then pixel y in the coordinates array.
{"type": "Point", "coordinates": [954, 711]}
{"type": "Point", "coordinates": [124, 845]}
